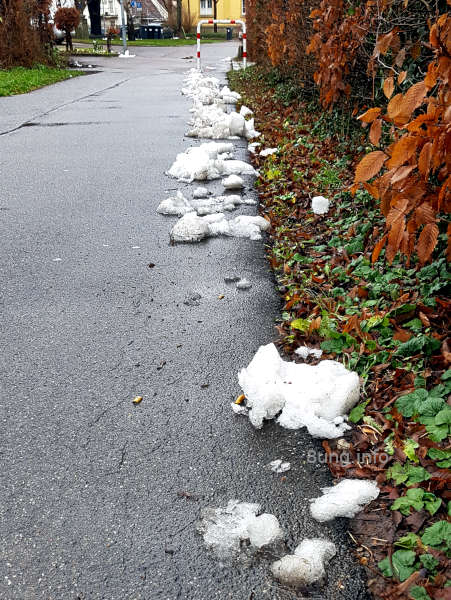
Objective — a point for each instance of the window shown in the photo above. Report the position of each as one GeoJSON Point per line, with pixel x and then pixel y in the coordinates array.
{"type": "Point", "coordinates": [206, 7]}
{"type": "Point", "coordinates": [243, 7]}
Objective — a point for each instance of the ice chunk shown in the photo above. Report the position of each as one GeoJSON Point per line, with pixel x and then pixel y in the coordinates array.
{"type": "Point", "coordinates": [304, 395]}
{"type": "Point", "coordinates": [200, 192]}
{"type": "Point", "coordinates": [237, 167]}
{"type": "Point", "coordinates": [236, 124]}
{"type": "Point", "coordinates": [233, 182]}
{"type": "Point", "coordinates": [278, 466]}
{"type": "Point", "coordinates": [264, 530]}
{"type": "Point", "coordinates": [306, 565]}
{"type": "Point", "coordinates": [345, 499]}
{"type": "Point", "coordinates": [190, 228]}
{"type": "Point", "coordinates": [249, 130]}
{"type": "Point", "coordinates": [304, 352]}
{"type": "Point", "coordinates": [242, 226]}
{"type": "Point", "coordinates": [238, 409]}
{"type": "Point", "coordinates": [320, 205]}
{"type": "Point", "coordinates": [243, 284]}
{"type": "Point", "coordinates": [252, 148]}
{"type": "Point", "coordinates": [177, 205]}
{"type": "Point", "coordinates": [246, 112]}
{"type": "Point", "coordinates": [224, 528]}
{"type": "Point", "coordinates": [268, 152]}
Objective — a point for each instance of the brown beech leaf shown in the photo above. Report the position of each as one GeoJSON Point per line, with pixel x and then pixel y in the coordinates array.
{"type": "Point", "coordinates": [369, 166]}
{"type": "Point", "coordinates": [375, 132]}
{"type": "Point", "coordinates": [378, 249]}
{"type": "Point", "coordinates": [402, 77]}
{"type": "Point", "coordinates": [395, 237]}
{"type": "Point", "coordinates": [389, 87]}
{"type": "Point", "coordinates": [402, 151]}
{"type": "Point", "coordinates": [424, 214]}
{"type": "Point", "coordinates": [424, 160]}
{"type": "Point", "coordinates": [402, 173]}
{"type": "Point", "coordinates": [370, 115]}
{"type": "Point", "coordinates": [394, 106]}
{"type": "Point", "coordinates": [427, 242]}
{"type": "Point", "coordinates": [413, 98]}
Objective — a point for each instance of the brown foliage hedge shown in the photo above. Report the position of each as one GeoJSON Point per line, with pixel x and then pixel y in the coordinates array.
{"type": "Point", "coordinates": [361, 55]}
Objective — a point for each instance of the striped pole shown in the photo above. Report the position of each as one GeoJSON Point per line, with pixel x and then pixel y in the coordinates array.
{"type": "Point", "coordinates": [224, 22]}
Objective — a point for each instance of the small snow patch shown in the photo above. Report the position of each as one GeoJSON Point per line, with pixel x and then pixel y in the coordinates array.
{"type": "Point", "coordinates": [320, 205]}
{"type": "Point", "coordinates": [268, 152]}
{"type": "Point", "coordinates": [345, 499]}
{"type": "Point", "coordinates": [200, 192]}
{"type": "Point", "coordinates": [278, 466]}
{"type": "Point", "coordinates": [233, 182]}
{"type": "Point", "coordinates": [304, 352]}
{"type": "Point", "coordinates": [177, 205]}
{"type": "Point", "coordinates": [224, 528]}
{"type": "Point", "coordinates": [309, 396]}
{"type": "Point", "coordinates": [192, 228]}
{"type": "Point", "coordinates": [306, 565]}
{"type": "Point", "coordinates": [243, 284]}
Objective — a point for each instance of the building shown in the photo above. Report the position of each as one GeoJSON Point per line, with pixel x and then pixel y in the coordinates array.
{"type": "Point", "coordinates": [225, 9]}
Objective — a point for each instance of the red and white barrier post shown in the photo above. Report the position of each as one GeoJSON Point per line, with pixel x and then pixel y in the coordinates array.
{"type": "Point", "coordinates": [224, 22]}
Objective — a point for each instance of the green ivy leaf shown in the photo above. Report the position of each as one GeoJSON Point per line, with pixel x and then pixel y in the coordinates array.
{"type": "Point", "coordinates": [300, 325]}
{"type": "Point", "coordinates": [404, 564]}
{"type": "Point", "coordinates": [409, 449]}
{"type": "Point", "coordinates": [437, 534]}
{"type": "Point", "coordinates": [407, 404]}
{"type": "Point", "coordinates": [408, 541]}
{"type": "Point", "coordinates": [357, 412]}
{"type": "Point", "coordinates": [417, 592]}
{"type": "Point", "coordinates": [429, 562]}
{"type": "Point", "coordinates": [385, 567]}
{"type": "Point", "coordinates": [412, 499]}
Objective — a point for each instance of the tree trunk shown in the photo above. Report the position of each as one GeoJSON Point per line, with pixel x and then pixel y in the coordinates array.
{"type": "Point", "coordinates": [95, 18]}
{"type": "Point", "coordinates": [215, 14]}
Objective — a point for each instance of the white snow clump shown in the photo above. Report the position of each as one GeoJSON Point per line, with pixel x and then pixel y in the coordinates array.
{"type": "Point", "coordinates": [176, 205]}
{"type": "Point", "coordinates": [200, 192]}
{"type": "Point", "coordinates": [278, 466]}
{"type": "Point", "coordinates": [224, 528]}
{"type": "Point", "coordinates": [345, 499]}
{"type": "Point", "coordinates": [233, 182]}
{"type": "Point", "coordinates": [304, 352]}
{"type": "Point", "coordinates": [192, 228]}
{"type": "Point", "coordinates": [320, 205]}
{"type": "Point", "coordinates": [206, 162]}
{"type": "Point", "coordinates": [306, 565]}
{"type": "Point", "coordinates": [316, 397]}
{"type": "Point", "coordinates": [268, 152]}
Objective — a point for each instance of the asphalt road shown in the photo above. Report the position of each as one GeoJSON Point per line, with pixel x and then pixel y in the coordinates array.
{"type": "Point", "coordinates": [92, 501]}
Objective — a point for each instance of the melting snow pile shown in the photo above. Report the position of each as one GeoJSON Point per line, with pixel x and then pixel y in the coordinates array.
{"type": "Point", "coordinates": [192, 228]}
{"type": "Point", "coordinates": [179, 205]}
{"type": "Point", "coordinates": [316, 397]}
{"type": "Point", "coordinates": [210, 117]}
{"type": "Point", "coordinates": [306, 565]}
{"type": "Point", "coordinates": [208, 161]}
{"type": "Point", "coordinates": [345, 499]}
{"type": "Point", "coordinates": [223, 529]}
{"type": "Point", "coordinates": [320, 205]}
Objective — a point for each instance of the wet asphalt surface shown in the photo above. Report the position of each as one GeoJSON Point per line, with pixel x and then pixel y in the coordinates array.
{"type": "Point", "coordinates": [99, 498]}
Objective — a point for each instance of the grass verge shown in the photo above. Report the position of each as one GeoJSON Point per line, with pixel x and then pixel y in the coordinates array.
{"type": "Point", "coordinates": [19, 80]}
{"type": "Point", "coordinates": [179, 42]}
{"type": "Point", "coordinates": [390, 323]}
